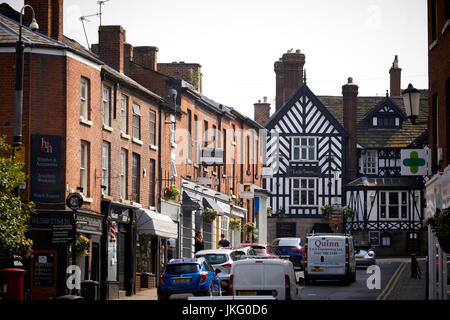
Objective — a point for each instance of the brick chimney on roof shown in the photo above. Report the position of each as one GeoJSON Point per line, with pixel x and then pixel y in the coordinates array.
{"type": "Point", "coordinates": [262, 111]}
{"type": "Point", "coordinates": [49, 16]}
{"type": "Point", "coordinates": [289, 75]}
{"type": "Point", "coordinates": [349, 94]}
{"type": "Point", "coordinates": [395, 78]}
{"type": "Point", "coordinates": [146, 56]}
{"type": "Point", "coordinates": [111, 40]}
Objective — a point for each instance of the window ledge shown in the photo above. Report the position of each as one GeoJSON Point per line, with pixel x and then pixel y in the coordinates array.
{"type": "Point", "coordinates": [87, 199]}
{"type": "Point", "coordinates": [233, 143]}
{"type": "Point", "coordinates": [136, 204]}
{"type": "Point", "coordinates": [173, 145]}
{"type": "Point", "coordinates": [107, 128]}
{"type": "Point", "coordinates": [206, 170]}
{"type": "Point", "coordinates": [107, 197]}
{"type": "Point", "coordinates": [214, 173]}
{"type": "Point", "coordinates": [125, 201]}
{"type": "Point", "coordinates": [125, 136]}
{"type": "Point", "coordinates": [153, 147]}
{"type": "Point", "coordinates": [137, 141]}
{"type": "Point", "coordinates": [432, 45]}
{"type": "Point", "coordinates": [86, 122]}
{"type": "Point", "coordinates": [446, 26]}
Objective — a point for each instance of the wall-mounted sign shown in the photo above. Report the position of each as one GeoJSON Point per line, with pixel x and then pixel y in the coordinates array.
{"type": "Point", "coordinates": [247, 191]}
{"type": "Point", "coordinates": [204, 181]}
{"type": "Point", "coordinates": [62, 233]}
{"type": "Point", "coordinates": [211, 156]}
{"type": "Point", "coordinates": [74, 201]}
{"type": "Point", "coordinates": [309, 171]}
{"type": "Point", "coordinates": [415, 162]}
{"type": "Point", "coordinates": [286, 229]}
{"type": "Point", "coordinates": [374, 238]}
{"type": "Point", "coordinates": [89, 224]}
{"type": "Point", "coordinates": [267, 172]}
{"type": "Point", "coordinates": [45, 168]}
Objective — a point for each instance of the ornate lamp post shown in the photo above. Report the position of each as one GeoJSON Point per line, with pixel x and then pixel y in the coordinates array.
{"type": "Point", "coordinates": [411, 99]}
{"type": "Point", "coordinates": [18, 86]}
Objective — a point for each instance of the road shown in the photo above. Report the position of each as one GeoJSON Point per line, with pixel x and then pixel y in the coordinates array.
{"type": "Point", "coordinates": [390, 272]}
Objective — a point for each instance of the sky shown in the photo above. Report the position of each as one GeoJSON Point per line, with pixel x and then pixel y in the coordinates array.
{"type": "Point", "coordinates": [238, 41]}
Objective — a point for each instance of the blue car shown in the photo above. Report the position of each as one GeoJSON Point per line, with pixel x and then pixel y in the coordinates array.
{"type": "Point", "coordinates": [290, 249]}
{"type": "Point", "coordinates": [189, 277]}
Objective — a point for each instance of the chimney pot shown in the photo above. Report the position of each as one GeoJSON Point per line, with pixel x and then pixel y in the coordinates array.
{"type": "Point", "coordinates": [395, 78]}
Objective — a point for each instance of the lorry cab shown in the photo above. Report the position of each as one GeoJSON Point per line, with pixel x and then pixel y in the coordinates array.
{"type": "Point", "coordinates": [330, 257]}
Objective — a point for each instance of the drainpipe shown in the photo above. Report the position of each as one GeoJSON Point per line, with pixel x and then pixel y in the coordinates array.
{"type": "Point", "coordinates": [159, 155]}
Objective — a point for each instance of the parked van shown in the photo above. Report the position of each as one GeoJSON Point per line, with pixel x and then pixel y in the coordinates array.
{"type": "Point", "coordinates": [330, 256]}
{"type": "Point", "coordinates": [264, 277]}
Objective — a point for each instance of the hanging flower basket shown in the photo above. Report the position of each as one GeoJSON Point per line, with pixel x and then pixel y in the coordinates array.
{"type": "Point", "coordinates": [280, 213]}
{"type": "Point", "coordinates": [209, 215]}
{"type": "Point", "coordinates": [440, 225]}
{"type": "Point", "coordinates": [250, 227]}
{"type": "Point", "coordinates": [269, 211]}
{"type": "Point", "coordinates": [326, 211]}
{"type": "Point", "coordinates": [235, 225]}
{"type": "Point", "coordinates": [171, 193]}
{"type": "Point", "coordinates": [82, 246]}
{"type": "Point", "coordinates": [347, 212]}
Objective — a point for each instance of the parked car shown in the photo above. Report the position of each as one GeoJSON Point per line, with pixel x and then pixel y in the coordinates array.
{"type": "Point", "coordinates": [222, 259]}
{"type": "Point", "coordinates": [264, 277]}
{"type": "Point", "coordinates": [364, 255]}
{"type": "Point", "coordinates": [330, 256]}
{"type": "Point", "coordinates": [261, 249]}
{"type": "Point", "coordinates": [184, 277]}
{"type": "Point", "coordinates": [244, 252]}
{"type": "Point", "coordinates": [290, 249]}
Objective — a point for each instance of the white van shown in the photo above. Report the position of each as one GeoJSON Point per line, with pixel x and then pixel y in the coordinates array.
{"type": "Point", "coordinates": [330, 256]}
{"type": "Point", "coordinates": [264, 277]}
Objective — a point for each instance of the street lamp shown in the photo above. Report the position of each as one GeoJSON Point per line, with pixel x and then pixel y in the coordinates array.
{"type": "Point", "coordinates": [18, 85]}
{"type": "Point", "coordinates": [411, 99]}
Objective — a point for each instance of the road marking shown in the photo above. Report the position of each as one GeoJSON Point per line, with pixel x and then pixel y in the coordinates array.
{"type": "Point", "coordinates": [395, 282]}
{"type": "Point", "coordinates": [390, 280]}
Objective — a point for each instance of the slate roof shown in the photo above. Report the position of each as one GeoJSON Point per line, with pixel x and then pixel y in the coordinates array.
{"type": "Point", "coordinates": [381, 138]}
{"type": "Point", "coordinates": [384, 182]}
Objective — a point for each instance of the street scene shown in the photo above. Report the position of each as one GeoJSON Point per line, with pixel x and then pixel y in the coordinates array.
{"type": "Point", "coordinates": [151, 158]}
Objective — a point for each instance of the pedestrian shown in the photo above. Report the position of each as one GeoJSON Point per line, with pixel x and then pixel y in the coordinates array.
{"type": "Point", "coordinates": [199, 243]}
{"type": "Point", "coordinates": [224, 243]}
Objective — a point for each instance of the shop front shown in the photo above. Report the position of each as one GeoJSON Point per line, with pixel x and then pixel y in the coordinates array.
{"type": "Point", "coordinates": [156, 238]}
{"type": "Point", "coordinates": [119, 250]}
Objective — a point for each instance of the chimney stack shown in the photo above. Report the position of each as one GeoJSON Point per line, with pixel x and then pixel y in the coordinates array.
{"type": "Point", "coordinates": [49, 16]}
{"type": "Point", "coordinates": [395, 78]}
{"type": "Point", "coordinates": [289, 75]}
{"type": "Point", "coordinates": [111, 41]}
{"type": "Point", "coordinates": [146, 56]}
{"type": "Point", "coordinates": [349, 94]}
{"type": "Point", "coordinates": [262, 111]}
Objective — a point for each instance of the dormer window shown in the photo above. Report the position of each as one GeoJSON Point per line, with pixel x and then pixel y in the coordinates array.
{"type": "Point", "coordinates": [386, 115]}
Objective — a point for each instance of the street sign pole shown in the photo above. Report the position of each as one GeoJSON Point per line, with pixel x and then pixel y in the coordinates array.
{"type": "Point", "coordinates": [74, 201]}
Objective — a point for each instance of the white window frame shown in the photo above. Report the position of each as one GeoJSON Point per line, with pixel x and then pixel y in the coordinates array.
{"type": "Point", "coordinates": [123, 174]}
{"type": "Point", "coordinates": [84, 96]}
{"type": "Point", "coordinates": [300, 147]}
{"type": "Point", "coordinates": [152, 125]}
{"type": "Point", "coordinates": [124, 114]}
{"type": "Point", "coordinates": [373, 165]}
{"type": "Point", "coordinates": [84, 166]}
{"type": "Point", "coordinates": [138, 117]}
{"type": "Point", "coordinates": [106, 97]}
{"type": "Point", "coordinates": [300, 189]}
{"type": "Point", "coordinates": [399, 204]}
{"type": "Point", "coordinates": [106, 156]}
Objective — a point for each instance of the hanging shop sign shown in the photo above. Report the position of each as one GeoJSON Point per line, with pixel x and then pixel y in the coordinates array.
{"type": "Point", "coordinates": [46, 168]}
{"type": "Point", "coordinates": [247, 191]}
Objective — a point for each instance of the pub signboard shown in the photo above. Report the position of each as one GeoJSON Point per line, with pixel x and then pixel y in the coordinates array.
{"type": "Point", "coordinates": [45, 168]}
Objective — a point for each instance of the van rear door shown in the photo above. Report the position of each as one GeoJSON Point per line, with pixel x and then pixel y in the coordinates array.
{"type": "Point", "coordinates": [326, 255]}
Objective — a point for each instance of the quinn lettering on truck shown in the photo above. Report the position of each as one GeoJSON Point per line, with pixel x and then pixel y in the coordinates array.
{"type": "Point", "coordinates": [326, 243]}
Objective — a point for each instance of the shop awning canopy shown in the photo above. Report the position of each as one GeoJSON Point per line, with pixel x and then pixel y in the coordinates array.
{"type": "Point", "coordinates": [149, 222]}
{"type": "Point", "coordinates": [238, 211]}
{"type": "Point", "coordinates": [212, 204]}
{"type": "Point", "coordinates": [224, 207]}
{"type": "Point", "coordinates": [191, 201]}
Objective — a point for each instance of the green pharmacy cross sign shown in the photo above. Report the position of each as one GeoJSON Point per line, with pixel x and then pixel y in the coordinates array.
{"type": "Point", "coordinates": [414, 162]}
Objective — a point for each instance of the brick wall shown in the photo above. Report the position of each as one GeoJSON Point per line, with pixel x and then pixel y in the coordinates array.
{"type": "Point", "coordinates": [189, 72]}
{"type": "Point", "coordinates": [349, 93]}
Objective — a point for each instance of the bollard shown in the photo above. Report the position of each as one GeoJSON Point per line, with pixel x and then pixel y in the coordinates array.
{"type": "Point", "coordinates": [13, 278]}
{"type": "Point", "coordinates": [413, 266]}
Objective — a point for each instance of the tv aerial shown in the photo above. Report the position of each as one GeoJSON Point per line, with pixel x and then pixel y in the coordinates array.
{"type": "Point", "coordinates": [85, 18]}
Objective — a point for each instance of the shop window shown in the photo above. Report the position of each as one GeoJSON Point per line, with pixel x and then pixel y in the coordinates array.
{"type": "Point", "coordinates": [385, 240]}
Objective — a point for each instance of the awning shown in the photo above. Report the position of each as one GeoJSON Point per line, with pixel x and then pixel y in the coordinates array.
{"type": "Point", "coordinates": [238, 211]}
{"type": "Point", "coordinates": [148, 222]}
{"type": "Point", "coordinates": [224, 207]}
{"type": "Point", "coordinates": [191, 201]}
{"type": "Point", "coordinates": [212, 204]}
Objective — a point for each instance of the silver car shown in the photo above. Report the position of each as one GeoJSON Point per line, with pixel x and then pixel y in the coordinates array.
{"type": "Point", "coordinates": [364, 255]}
{"type": "Point", "coordinates": [222, 259]}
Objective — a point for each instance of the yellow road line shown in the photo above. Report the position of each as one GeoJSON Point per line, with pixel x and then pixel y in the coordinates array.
{"type": "Point", "coordinates": [389, 282]}
{"type": "Point", "coordinates": [395, 282]}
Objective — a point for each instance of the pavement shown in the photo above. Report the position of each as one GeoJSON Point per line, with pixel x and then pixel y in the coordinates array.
{"type": "Point", "coordinates": [403, 287]}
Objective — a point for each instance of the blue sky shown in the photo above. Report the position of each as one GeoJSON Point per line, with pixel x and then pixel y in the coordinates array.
{"type": "Point", "coordinates": [238, 41]}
